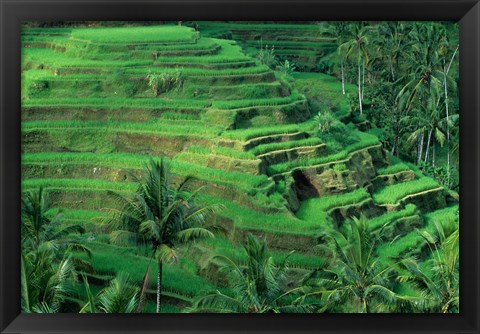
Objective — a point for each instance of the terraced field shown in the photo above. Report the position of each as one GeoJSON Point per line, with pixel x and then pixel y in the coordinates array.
{"type": "Point", "coordinates": [303, 43]}
{"type": "Point", "coordinates": [90, 120]}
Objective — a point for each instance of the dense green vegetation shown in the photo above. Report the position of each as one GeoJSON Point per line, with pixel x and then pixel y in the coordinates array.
{"type": "Point", "coordinates": [240, 167]}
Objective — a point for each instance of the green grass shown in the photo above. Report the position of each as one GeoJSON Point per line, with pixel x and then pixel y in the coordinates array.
{"type": "Point", "coordinates": [449, 213]}
{"type": "Point", "coordinates": [394, 193]}
{"type": "Point", "coordinates": [30, 31]}
{"type": "Point", "coordinates": [202, 72]}
{"type": "Point", "coordinates": [236, 252]}
{"type": "Point", "coordinates": [134, 35]}
{"type": "Point", "coordinates": [247, 182]}
{"type": "Point", "coordinates": [274, 101]}
{"type": "Point", "coordinates": [60, 60]}
{"type": "Point", "coordinates": [313, 208]}
{"type": "Point", "coordinates": [156, 126]}
{"type": "Point", "coordinates": [79, 184]}
{"type": "Point", "coordinates": [276, 223]}
{"type": "Point", "coordinates": [380, 221]}
{"type": "Point", "coordinates": [265, 148]}
{"type": "Point", "coordinates": [389, 252]}
{"type": "Point", "coordinates": [116, 103]}
{"type": "Point", "coordinates": [226, 151]}
{"type": "Point", "coordinates": [394, 169]}
{"type": "Point", "coordinates": [366, 141]}
{"type": "Point", "coordinates": [76, 214]}
{"type": "Point", "coordinates": [228, 53]}
{"type": "Point", "coordinates": [110, 259]}
{"type": "Point", "coordinates": [250, 133]}
{"type": "Point", "coordinates": [260, 26]}
{"type": "Point", "coordinates": [324, 91]}
{"type": "Point", "coordinates": [297, 45]}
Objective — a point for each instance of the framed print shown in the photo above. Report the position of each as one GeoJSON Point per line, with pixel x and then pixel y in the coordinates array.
{"type": "Point", "coordinates": [239, 166]}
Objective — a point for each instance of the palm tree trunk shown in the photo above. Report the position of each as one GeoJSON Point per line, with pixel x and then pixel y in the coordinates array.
{"type": "Point", "coordinates": [446, 70]}
{"type": "Point", "coordinates": [360, 89]}
{"type": "Point", "coordinates": [420, 148]}
{"type": "Point", "coordinates": [391, 70]}
{"type": "Point", "coordinates": [343, 79]}
{"type": "Point", "coordinates": [433, 154]}
{"type": "Point", "coordinates": [159, 285]}
{"type": "Point", "coordinates": [428, 145]}
{"type": "Point", "coordinates": [363, 78]}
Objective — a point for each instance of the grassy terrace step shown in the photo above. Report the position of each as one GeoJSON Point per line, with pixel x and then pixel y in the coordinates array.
{"type": "Point", "coordinates": [275, 223]}
{"type": "Point", "coordinates": [136, 35]}
{"type": "Point", "coordinates": [411, 243]}
{"type": "Point", "coordinates": [246, 182]}
{"type": "Point", "coordinates": [222, 162]}
{"type": "Point", "coordinates": [395, 193]}
{"type": "Point", "coordinates": [229, 52]}
{"type": "Point", "coordinates": [314, 209]}
{"type": "Point", "coordinates": [116, 103]}
{"type": "Point", "coordinates": [195, 72]}
{"type": "Point", "coordinates": [79, 184]}
{"type": "Point", "coordinates": [110, 259]}
{"type": "Point", "coordinates": [245, 91]}
{"type": "Point", "coordinates": [235, 251]}
{"type": "Point", "coordinates": [46, 113]}
{"type": "Point", "coordinates": [282, 146]}
{"type": "Point", "coordinates": [86, 50]}
{"type": "Point", "coordinates": [325, 89]}
{"type": "Point", "coordinates": [295, 45]}
{"type": "Point", "coordinates": [88, 218]}
{"type": "Point", "coordinates": [160, 126]}
{"type": "Point", "coordinates": [288, 27]}
{"type": "Point", "coordinates": [224, 151]}
{"type": "Point", "coordinates": [63, 62]}
{"type": "Point", "coordinates": [252, 134]}
{"type": "Point", "coordinates": [391, 217]}
{"type": "Point", "coordinates": [394, 169]}
{"type": "Point", "coordinates": [268, 102]}
{"type": "Point", "coordinates": [45, 32]}
{"type": "Point", "coordinates": [287, 167]}
{"type": "Point", "coordinates": [58, 60]}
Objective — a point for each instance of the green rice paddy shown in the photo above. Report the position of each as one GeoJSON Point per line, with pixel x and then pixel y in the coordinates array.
{"type": "Point", "coordinates": [216, 124]}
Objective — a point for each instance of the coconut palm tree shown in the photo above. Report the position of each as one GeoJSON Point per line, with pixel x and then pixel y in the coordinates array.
{"type": "Point", "coordinates": [45, 285]}
{"type": "Point", "coordinates": [120, 296]}
{"type": "Point", "coordinates": [257, 287]}
{"type": "Point", "coordinates": [357, 47]}
{"type": "Point", "coordinates": [161, 215]}
{"type": "Point", "coordinates": [340, 32]}
{"type": "Point", "coordinates": [38, 228]}
{"type": "Point", "coordinates": [48, 267]}
{"type": "Point", "coordinates": [354, 278]}
{"type": "Point", "coordinates": [422, 92]}
{"type": "Point", "coordinates": [391, 44]}
{"type": "Point", "coordinates": [441, 288]}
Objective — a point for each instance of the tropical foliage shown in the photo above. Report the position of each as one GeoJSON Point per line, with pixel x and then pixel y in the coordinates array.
{"type": "Point", "coordinates": [256, 167]}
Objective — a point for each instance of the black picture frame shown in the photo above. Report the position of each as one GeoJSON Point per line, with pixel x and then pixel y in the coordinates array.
{"type": "Point", "coordinates": [13, 12]}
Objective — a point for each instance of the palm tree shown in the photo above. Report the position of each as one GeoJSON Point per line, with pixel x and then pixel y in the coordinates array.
{"type": "Point", "coordinates": [160, 215]}
{"type": "Point", "coordinates": [422, 91]}
{"type": "Point", "coordinates": [357, 46]}
{"type": "Point", "coordinates": [120, 296]}
{"type": "Point", "coordinates": [45, 285]}
{"type": "Point", "coordinates": [444, 49]}
{"type": "Point", "coordinates": [38, 228]}
{"type": "Point", "coordinates": [355, 276]}
{"type": "Point", "coordinates": [441, 288]}
{"type": "Point", "coordinates": [47, 264]}
{"type": "Point", "coordinates": [256, 288]}
{"type": "Point", "coordinates": [338, 30]}
{"type": "Point", "coordinates": [391, 43]}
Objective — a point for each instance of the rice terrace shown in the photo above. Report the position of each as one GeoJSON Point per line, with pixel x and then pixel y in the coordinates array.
{"type": "Point", "coordinates": [240, 167]}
